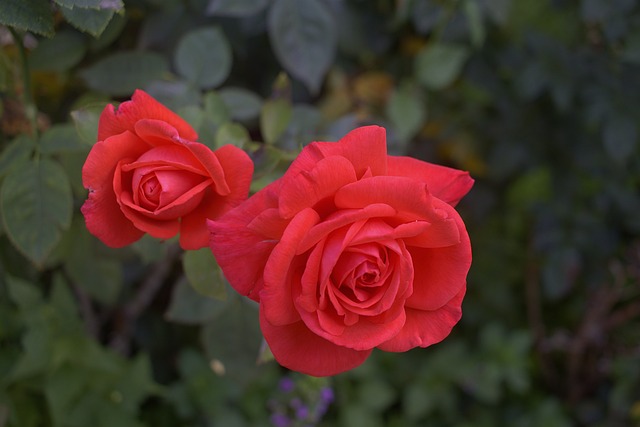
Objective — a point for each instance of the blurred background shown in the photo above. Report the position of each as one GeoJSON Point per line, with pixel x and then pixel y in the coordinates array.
{"type": "Point", "coordinates": [538, 99]}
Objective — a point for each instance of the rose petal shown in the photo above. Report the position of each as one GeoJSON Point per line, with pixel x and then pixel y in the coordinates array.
{"type": "Point", "coordinates": [309, 187]}
{"type": "Point", "coordinates": [102, 213]}
{"type": "Point", "coordinates": [342, 218]}
{"type": "Point", "coordinates": [238, 169]}
{"type": "Point", "coordinates": [141, 106]}
{"type": "Point", "coordinates": [440, 273]}
{"type": "Point", "coordinates": [364, 147]}
{"type": "Point", "coordinates": [295, 347]}
{"type": "Point", "coordinates": [424, 328]}
{"type": "Point", "coordinates": [158, 228]}
{"type": "Point", "coordinates": [242, 252]}
{"type": "Point", "coordinates": [447, 184]}
{"type": "Point", "coordinates": [279, 274]}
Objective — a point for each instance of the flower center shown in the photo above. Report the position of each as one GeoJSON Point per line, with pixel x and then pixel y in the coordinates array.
{"type": "Point", "coordinates": [152, 189]}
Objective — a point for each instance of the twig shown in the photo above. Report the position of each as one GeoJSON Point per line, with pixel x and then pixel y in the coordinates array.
{"type": "Point", "coordinates": [91, 323]}
{"type": "Point", "coordinates": [146, 292]}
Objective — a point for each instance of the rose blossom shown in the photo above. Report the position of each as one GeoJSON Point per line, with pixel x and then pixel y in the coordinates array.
{"type": "Point", "coordinates": [146, 174]}
{"type": "Point", "coordinates": [352, 249]}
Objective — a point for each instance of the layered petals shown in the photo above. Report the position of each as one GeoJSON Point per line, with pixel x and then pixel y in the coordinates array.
{"type": "Point", "coordinates": [146, 174]}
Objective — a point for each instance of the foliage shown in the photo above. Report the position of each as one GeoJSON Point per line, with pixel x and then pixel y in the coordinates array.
{"type": "Point", "coordinates": [537, 98]}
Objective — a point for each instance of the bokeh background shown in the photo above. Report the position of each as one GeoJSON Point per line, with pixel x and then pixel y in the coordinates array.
{"type": "Point", "coordinates": [538, 99]}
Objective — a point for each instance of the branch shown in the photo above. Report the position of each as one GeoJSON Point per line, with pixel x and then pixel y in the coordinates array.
{"type": "Point", "coordinates": [147, 291]}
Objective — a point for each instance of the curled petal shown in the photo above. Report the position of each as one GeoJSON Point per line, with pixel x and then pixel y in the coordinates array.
{"type": "Point", "coordinates": [242, 252]}
{"type": "Point", "coordinates": [141, 106]}
{"type": "Point", "coordinates": [365, 148]}
{"type": "Point", "coordinates": [101, 210]}
{"type": "Point", "coordinates": [295, 347]}
{"type": "Point", "coordinates": [447, 184]}
{"type": "Point", "coordinates": [424, 328]}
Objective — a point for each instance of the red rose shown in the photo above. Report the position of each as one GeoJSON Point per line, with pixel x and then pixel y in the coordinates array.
{"type": "Point", "coordinates": [352, 249]}
{"type": "Point", "coordinates": [147, 175]}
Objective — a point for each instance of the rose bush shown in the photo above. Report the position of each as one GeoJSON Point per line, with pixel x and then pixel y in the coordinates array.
{"type": "Point", "coordinates": [146, 174]}
{"type": "Point", "coordinates": [352, 249]}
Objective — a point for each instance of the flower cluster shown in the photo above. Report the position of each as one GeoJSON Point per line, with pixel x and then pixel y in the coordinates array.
{"type": "Point", "coordinates": [300, 401]}
{"type": "Point", "coordinates": [350, 250]}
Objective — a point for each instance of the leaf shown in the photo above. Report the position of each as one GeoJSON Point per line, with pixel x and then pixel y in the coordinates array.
{"type": "Point", "coordinates": [235, 7]}
{"type": "Point", "coordinates": [242, 104]}
{"type": "Point", "coordinates": [62, 138]}
{"type": "Point", "coordinates": [91, 4]}
{"type": "Point", "coordinates": [439, 64]}
{"type": "Point", "coordinates": [475, 22]}
{"type": "Point", "coordinates": [121, 73]}
{"type": "Point", "coordinates": [204, 274]}
{"type": "Point", "coordinates": [92, 21]}
{"type": "Point", "coordinates": [16, 154]}
{"type": "Point", "coordinates": [233, 338]}
{"type": "Point", "coordinates": [101, 277]}
{"type": "Point", "coordinates": [22, 293]}
{"type": "Point", "coordinates": [28, 15]}
{"type": "Point", "coordinates": [620, 137]}
{"type": "Point", "coordinates": [232, 134]}
{"type": "Point", "coordinates": [407, 111]}
{"type": "Point", "coordinates": [203, 57]}
{"type": "Point", "coordinates": [86, 122]}
{"type": "Point", "coordinates": [304, 38]}
{"type": "Point", "coordinates": [274, 119]}
{"type": "Point", "coordinates": [36, 207]}
{"type": "Point", "coordinates": [60, 53]}
{"type": "Point", "coordinates": [189, 307]}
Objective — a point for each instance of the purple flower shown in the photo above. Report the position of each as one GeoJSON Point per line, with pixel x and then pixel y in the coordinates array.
{"type": "Point", "coordinates": [326, 395]}
{"type": "Point", "coordinates": [302, 412]}
{"type": "Point", "coordinates": [286, 385]}
{"type": "Point", "coordinates": [280, 420]}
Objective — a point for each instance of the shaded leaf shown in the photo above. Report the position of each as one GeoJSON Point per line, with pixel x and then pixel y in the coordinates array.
{"type": "Point", "coordinates": [28, 15]}
{"type": "Point", "coordinates": [60, 53]}
{"type": "Point", "coordinates": [36, 207]}
{"type": "Point", "coordinates": [16, 154]}
{"type": "Point", "coordinates": [303, 37]}
{"type": "Point", "coordinates": [203, 57]}
{"type": "Point", "coordinates": [235, 7]}
{"type": "Point", "coordinates": [91, 4]}
{"type": "Point", "coordinates": [274, 119]}
{"type": "Point", "coordinates": [620, 137]}
{"type": "Point", "coordinates": [62, 138]}
{"type": "Point", "coordinates": [86, 122]}
{"type": "Point", "coordinates": [121, 73]}
{"type": "Point", "coordinates": [92, 21]}
{"type": "Point", "coordinates": [407, 111]}
{"type": "Point", "coordinates": [204, 274]}
{"type": "Point", "coordinates": [189, 307]}
{"type": "Point", "coordinates": [439, 64]}
{"type": "Point", "coordinates": [232, 134]}
{"type": "Point", "coordinates": [242, 103]}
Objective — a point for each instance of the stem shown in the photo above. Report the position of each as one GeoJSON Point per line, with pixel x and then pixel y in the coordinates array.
{"type": "Point", "coordinates": [27, 93]}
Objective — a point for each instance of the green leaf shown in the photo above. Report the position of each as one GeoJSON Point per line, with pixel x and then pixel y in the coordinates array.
{"type": "Point", "coordinates": [274, 119]}
{"type": "Point", "coordinates": [620, 137]}
{"type": "Point", "coordinates": [28, 15]}
{"type": "Point", "coordinates": [189, 307]}
{"type": "Point", "coordinates": [91, 4]}
{"type": "Point", "coordinates": [243, 105]}
{"type": "Point", "coordinates": [203, 57]}
{"type": "Point", "coordinates": [36, 207]}
{"type": "Point", "coordinates": [22, 293]}
{"type": "Point", "coordinates": [475, 22]}
{"type": "Point", "coordinates": [233, 338]}
{"type": "Point", "coordinates": [204, 274]}
{"type": "Point", "coordinates": [101, 277]}
{"type": "Point", "coordinates": [304, 38]}
{"type": "Point", "coordinates": [86, 122]}
{"type": "Point", "coordinates": [407, 111]}
{"type": "Point", "coordinates": [91, 21]}
{"type": "Point", "coordinates": [233, 134]}
{"type": "Point", "coordinates": [16, 154]}
{"type": "Point", "coordinates": [123, 72]}
{"type": "Point", "coordinates": [215, 108]}
{"type": "Point", "coordinates": [235, 7]}
{"type": "Point", "coordinates": [60, 53]}
{"type": "Point", "coordinates": [62, 138]}
{"type": "Point", "coordinates": [439, 64]}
